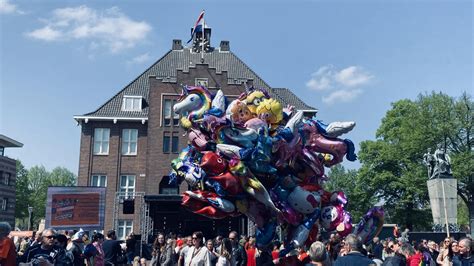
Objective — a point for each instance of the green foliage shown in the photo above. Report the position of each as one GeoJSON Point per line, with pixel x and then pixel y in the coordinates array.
{"type": "Point", "coordinates": [392, 166]}
{"type": "Point", "coordinates": [463, 214]}
{"type": "Point", "coordinates": [359, 201]}
{"type": "Point", "coordinates": [22, 192]}
{"type": "Point", "coordinates": [32, 188]}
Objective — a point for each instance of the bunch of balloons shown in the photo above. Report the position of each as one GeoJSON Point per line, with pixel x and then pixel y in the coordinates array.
{"type": "Point", "coordinates": [253, 156]}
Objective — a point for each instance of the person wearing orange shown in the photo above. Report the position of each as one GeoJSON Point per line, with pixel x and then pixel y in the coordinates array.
{"type": "Point", "coordinates": [7, 247]}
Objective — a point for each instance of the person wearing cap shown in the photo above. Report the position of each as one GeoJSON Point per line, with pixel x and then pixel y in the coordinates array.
{"type": "Point", "coordinates": [353, 247]}
{"type": "Point", "coordinates": [76, 248]}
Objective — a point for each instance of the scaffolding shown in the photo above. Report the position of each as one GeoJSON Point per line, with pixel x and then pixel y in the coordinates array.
{"type": "Point", "coordinates": [144, 220]}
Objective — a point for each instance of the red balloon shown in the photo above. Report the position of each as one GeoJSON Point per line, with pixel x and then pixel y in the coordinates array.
{"type": "Point", "coordinates": [213, 164]}
{"type": "Point", "coordinates": [202, 207]}
{"type": "Point", "coordinates": [229, 183]}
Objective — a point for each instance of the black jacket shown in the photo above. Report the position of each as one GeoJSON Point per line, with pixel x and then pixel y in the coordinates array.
{"type": "Point", "coordinates": [397, 260]}
{"type": "Point", "coordinates": [239, 255]}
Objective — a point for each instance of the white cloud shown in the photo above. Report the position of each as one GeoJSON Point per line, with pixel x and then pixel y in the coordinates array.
{"type": "Point", "coordinates": [111, 28]}
{"type": "Point", "coordinates": [342, 96]}
{"type": "Point", "coordinates": [353, 76]}
{"type": "Point", "coordinates": [7, 8]}
{"type": "Point", "coordinates": [345, 81]}
{"type": "Point", "coordinates": [46, 33]}
{"type": "Point", "coordinates": [140, 59]}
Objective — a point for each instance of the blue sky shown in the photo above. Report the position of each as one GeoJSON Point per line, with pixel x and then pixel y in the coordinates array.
{"type": "Point", "coordinates": [350, 59]}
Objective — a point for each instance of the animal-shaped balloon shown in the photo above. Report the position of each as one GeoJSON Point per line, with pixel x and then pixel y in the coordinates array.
{"type": "Point", "coordinates": [331, 217]}
{"type": "Point", "coordinates": [213, 164]}
{"type": "Point", "coordinates": [303, 200]}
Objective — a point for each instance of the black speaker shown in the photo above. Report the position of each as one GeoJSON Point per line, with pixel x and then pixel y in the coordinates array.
{"type": "Point", "coordinates": [128, 206]}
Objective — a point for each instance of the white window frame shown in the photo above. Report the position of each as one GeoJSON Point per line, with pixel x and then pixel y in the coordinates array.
{"type": "Point", "coordinates": [169, 114]}
{"type": "Point", "coordinates": [136, 103]}
{"type": "Point", "coordinates": [103, 141]}
{"type": "Point", "coordinates": [127, 188]}
{"type": "Point", "coordinates": [125, 227]}
{"type": "Point", "coordinates": [3, 204]}
{"type": "Point", "coordinates": [127, 142]}
{"type": "Point", "coordinates": [99, 179]}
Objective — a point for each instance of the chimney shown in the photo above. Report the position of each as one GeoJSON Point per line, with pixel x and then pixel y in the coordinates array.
{"type": "Point", "coordinates": [177, 45]}
{"type": "Point", "coordinates": [225, 46]}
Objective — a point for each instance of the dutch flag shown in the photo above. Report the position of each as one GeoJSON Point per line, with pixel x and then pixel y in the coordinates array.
{"type": "Point", "coordinates": [197, 27]}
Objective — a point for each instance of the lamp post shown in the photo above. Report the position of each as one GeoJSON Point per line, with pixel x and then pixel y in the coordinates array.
{"type": "Point", "coordinates": [30, 210]}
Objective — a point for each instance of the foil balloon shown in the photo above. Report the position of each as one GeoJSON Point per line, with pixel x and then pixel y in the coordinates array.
{"type": "Point", "coordinates": [213, 199]}
{"type": "Point", "coordinates": [255, 158]}
{"type": "Point", "coordinates": [331, 216]}
{"type": "Point", "coordinates": [198, 139]}
{"type": "Point", "coordinates": [213, 164]}
{"type": "Point", "coordinates": [229, 183]}
{"type": "Point", "coordinates": [202, 207]}
{"type": "Point", "coordinates": [265, 235]}
{"type": "Point", "coordinates": [339, 198]}
{"type": "Point", "coordinates": [304, 201]}
{"type": "Point", "coordinates": [345, 227]}
{"type": "Point", "coordinates": [301, 233]}
{"type": "Point", "coordinates": [371, 224]}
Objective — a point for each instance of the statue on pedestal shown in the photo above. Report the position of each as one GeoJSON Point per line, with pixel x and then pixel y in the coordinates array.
{"type": "Point", "coordinates": [430, 161]}
{"type": "Point", "coordinates": [439, 163]}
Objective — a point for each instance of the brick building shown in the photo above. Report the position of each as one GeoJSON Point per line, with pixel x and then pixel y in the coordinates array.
{"type": "Point", "coordinates": [127, 144]}
{"type": "Point", "coordinates": [7, 181]}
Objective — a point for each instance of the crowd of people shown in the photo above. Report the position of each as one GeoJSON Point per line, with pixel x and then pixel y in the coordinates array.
{"type": "Point", "coordinates": [77, 248]}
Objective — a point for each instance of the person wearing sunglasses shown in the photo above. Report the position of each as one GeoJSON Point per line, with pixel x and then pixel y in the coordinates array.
{"type": "Point", "coordinates": [45, 253]}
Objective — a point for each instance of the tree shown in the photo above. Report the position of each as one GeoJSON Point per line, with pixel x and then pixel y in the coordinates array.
{"type": "Point", "coordinates": [38, 178]}
{"type": "Point", "coordinates": [22, 192]}
{"type": "Point", "coordinates": [32, 188]}
{"type": "Point", "coordinates": [392, 165]}
{"type": "Point", "coordinates": [61, 176]}
{"type": "Point", "coordinates": [359, 201]}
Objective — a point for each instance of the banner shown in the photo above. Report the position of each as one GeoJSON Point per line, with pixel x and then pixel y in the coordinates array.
{"type": "Point", "coordinates": [75, 207]}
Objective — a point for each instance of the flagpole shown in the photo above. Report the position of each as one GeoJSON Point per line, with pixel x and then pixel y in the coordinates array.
{"type": "Point", "coordinates": [202, 39]}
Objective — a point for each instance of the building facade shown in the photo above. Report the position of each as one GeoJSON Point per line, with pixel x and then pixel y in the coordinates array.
{"type": "Point", "coordinates": [128, 143]}
{"type": "Point", "coordinates": [7, 181]}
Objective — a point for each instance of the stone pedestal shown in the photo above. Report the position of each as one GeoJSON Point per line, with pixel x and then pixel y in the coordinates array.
{"type": "Point", "coordinates": [435, 190]}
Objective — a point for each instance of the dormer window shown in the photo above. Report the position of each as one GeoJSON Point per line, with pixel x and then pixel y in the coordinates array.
{"type": "Point", "coordinates": [132, 103]}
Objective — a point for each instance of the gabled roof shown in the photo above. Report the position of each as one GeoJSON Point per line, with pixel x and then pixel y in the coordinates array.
{"type": "Point", "coordinates": [166, 68]}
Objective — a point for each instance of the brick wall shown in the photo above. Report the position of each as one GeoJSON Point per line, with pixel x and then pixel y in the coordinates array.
{"type": "Point", "coordinates": [150, 164]}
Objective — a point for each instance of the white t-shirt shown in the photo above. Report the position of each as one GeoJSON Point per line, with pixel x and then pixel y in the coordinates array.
{"type": "Point", "coordinates": [197, 257]}
{"type": "Point", "coordinates": [222, 261]}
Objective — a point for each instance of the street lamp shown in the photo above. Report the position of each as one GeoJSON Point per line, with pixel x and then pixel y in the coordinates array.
{"type": "Point", "coordinates": [30, 210]}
